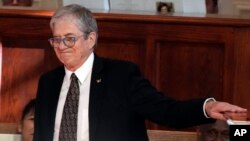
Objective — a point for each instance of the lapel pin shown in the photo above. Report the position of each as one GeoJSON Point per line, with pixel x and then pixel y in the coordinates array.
{"type": "Point", "coordinates": [99, 80]}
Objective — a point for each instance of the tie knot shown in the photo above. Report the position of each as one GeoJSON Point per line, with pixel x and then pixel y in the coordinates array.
{"type": "Point", "coordinates": [73, 77]}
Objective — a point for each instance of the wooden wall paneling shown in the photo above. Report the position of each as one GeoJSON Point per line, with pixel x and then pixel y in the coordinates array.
{"type": "Point", "coordinates": [229, 65]}
{"type": "Point", "coordinates": [20, 71]}
{"type": "Point", "coordinates": [19, 79]}
{"type": "Point", "coordinates": [21, 27]}
{"type": "Point", "coordinates": [189, 70]}
{"type": "Point", "coordinates": [1, 59]}
{"type": "Point", "coordinates": [123, 41]}
{"type": "Point", "coordinates": [191, 61]}
{"type": "Point", "coordinates": [150, 59]}
{"type": "Point", "coordinates": [242, 78]}
{"type": "Point", "coordinates": [119, 29]}
{"type": "Point", "coordinates": [122, 49]}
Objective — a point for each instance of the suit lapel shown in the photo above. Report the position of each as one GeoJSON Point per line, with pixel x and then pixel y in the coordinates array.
{"type": "Point", "coordinates": [95, 100]}
{"type": "Point", "coordinates": [57, 80]}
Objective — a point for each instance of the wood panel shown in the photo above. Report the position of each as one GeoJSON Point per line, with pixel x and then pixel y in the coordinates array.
{"type": "Point", "coordinates": [19, 79]}
{"type": "Point", "coordinates": [24, 60]}
{"type": "Point", "coordinates": [190, 70]}
{"type": "Point", "coordinates": [25, 27]}
{"type": "Point", "coordinates": [242, 77]}
{"type": "Point", "coordinates": [160, 135]}
{"type": "Point", "coordinates": [123, 49]}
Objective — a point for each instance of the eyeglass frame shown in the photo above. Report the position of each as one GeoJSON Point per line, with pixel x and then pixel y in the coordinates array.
{"type": "Point", "coordinates": [75, 38]}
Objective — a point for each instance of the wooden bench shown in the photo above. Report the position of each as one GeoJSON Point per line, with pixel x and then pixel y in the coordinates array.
{"type": "Point", "coordinates": [9, 128]}
{"type": "Point", "coordinates": [162, 135]}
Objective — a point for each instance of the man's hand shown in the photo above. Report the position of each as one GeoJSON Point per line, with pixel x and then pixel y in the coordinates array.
{"type": "Point", "coordinates": [224, 110]}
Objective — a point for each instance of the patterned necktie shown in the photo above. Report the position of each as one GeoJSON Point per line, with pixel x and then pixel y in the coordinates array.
{"type": "Point", "coordinates": [68, 129]}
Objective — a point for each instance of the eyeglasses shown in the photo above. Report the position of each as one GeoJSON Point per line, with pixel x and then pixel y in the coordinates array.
{"type": "Point", "coordinates": [67, 41]}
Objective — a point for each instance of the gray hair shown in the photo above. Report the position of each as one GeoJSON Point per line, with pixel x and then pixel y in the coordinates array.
{"type": "Point", "coordinates": [81, 16]}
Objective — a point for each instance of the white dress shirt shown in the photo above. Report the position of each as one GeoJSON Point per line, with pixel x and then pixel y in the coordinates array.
{"type": "Point", "coordinates": [84, 76]}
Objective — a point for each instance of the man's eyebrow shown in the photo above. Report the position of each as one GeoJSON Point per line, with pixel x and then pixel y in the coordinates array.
{"type": "Point", "coordinates": [68, 34]}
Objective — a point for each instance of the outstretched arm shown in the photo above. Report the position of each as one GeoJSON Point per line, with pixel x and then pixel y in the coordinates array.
{"type": "Point", "coordinates": [224, 110]}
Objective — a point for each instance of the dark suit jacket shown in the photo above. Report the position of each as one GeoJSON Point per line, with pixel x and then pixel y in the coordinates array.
{"type": "Point", "coordinates": [118, 105]}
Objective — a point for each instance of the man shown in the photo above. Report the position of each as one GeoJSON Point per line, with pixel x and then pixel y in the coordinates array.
{"type": "Point", "coordinates": [115, 98]}
{"type": "Point", "coordinates": [217, 131]}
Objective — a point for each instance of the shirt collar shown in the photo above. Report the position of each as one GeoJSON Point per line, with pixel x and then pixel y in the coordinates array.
{"type": "Point", "coordinates": [83, 71]}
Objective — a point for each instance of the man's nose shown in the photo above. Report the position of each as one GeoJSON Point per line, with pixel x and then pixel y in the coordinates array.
{"type": "Point", "coordinates": [62, 45]}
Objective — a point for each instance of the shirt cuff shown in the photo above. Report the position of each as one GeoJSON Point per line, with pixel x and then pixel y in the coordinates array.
{"type": "Point", "coordinates": [204, 104]}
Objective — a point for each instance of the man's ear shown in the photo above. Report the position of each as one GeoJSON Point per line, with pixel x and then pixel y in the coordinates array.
{"type": "Point", "coordinates": [91, 40]}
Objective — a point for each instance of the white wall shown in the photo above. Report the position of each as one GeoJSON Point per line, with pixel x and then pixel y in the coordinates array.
{"type": "Point", "coordinates": [187, 6]}
{"type": "Point", "coordinates": [49, 4]}
{"type": "Point", "coordinates": [91, 4]}
{"type": "Point", "coordinates": [144, 5]}
{"type": "Point", "coordinates": [226, 7]}
{"type": "Point", "coordinates": [194, 6]}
